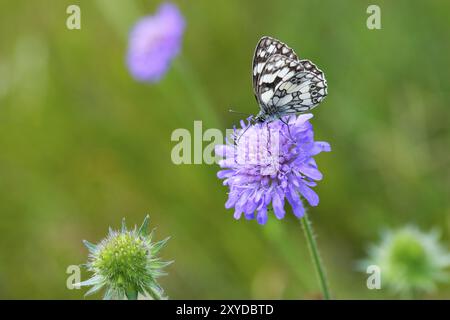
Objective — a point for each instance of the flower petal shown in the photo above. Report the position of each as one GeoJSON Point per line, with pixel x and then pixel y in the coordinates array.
{"type": "Point", "coordinates": [237, 214]}
{"type": "Point", "coordinates": [224, 173]}
{"type": "Point", "coordinates": [250, 216]}
{"type": "Point", "coordinates": [227, 163]}
{"type": "Point", "coordinates": [251, 205]}
{"type": "Point", "coordinates": [278, 205]}
{"type": "Point", "coordinates": [240, 204]}
{"type": "Point", "coordinates": [295, 202]}
{"type": "Point", "coordinates": [301, 119]}
{"type": "Point", "coordinates": [233, 197]}
{"type": "Point", "coordinates": [320, 146]}
{"type": "Point", "coordinates": [310, 172]}
{"type": "Point", "coordinates": [262, 215]}
{"type": "Point", "coordinates": [309, 194]}
{"type": "Point", "coordinates": [224, 150]}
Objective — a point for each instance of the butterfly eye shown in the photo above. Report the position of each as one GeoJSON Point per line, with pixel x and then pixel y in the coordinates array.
{"type": "Point", "coordinates": [314, 93]}
{"type": "Point", "coordinates": [314, 100]}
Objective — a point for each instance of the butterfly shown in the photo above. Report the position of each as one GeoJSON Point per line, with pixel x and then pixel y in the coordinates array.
{"type": "Point", "coordinates": [282, 83]}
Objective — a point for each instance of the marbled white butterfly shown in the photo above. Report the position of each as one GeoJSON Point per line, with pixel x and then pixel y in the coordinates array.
{"type": "Point", "coordinates": [283, 84]}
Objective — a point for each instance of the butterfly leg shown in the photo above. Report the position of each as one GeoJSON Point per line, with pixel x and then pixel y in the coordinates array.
{"type": "Point", "coordinates": [288, 127]}
{"type": "Point", "coordinates": [269, 138]}
{"type": "Point", "coordinates": [241, 134]}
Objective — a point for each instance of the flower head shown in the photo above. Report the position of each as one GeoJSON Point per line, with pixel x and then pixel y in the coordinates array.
{"type": "Point", "coordinates": [410, 261]}
{"type": "Point", "coordinates": [154, 41]}
{"type": "Point", "coordinates": [265, 163]}
{"type": "Point", "coordinates": [126, 264]}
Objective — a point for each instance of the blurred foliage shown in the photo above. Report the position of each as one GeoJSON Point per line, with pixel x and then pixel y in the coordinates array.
{"type": "Point", "coordinates": [83, 145]}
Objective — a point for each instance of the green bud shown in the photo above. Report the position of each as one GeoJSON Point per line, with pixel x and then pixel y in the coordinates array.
{"type": "Point", "coordinates": [125, 264]}
{"type": "Point", "coordinates": [411, 262]}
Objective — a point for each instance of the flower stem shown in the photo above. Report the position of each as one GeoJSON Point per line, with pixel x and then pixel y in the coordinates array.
{"type": "Point", "coordinates": [132, 294]}
{"type": "Point", "coordinates": [312, 244]}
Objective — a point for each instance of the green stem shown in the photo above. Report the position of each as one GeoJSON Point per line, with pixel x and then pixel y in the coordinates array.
{"type": "Point", "coordinates": [312, 244]}
{"type": "Point", "coordinates": [132, 294]}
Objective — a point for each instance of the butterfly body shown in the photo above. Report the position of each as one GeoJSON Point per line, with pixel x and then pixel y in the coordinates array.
{"type": "Point", "coordinates": [282, 83]}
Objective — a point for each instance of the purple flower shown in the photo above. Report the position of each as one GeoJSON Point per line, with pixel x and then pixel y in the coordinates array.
{"type": "Point", "coordinates": [154, 42]}
{"type": "Point", "coordinates": [267, 163]}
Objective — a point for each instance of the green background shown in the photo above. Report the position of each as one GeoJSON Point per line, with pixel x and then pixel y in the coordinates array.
{"type": "Point", "coordinates": [82, 144]}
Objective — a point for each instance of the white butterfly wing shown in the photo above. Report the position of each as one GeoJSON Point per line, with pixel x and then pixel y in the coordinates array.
{"type": "Point", "coordinates": [266, 48]}
{"type": "Point", "coordinates": [287, 85]}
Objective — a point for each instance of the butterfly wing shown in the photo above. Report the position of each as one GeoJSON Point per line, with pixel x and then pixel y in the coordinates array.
{"type": "Point", "coordinates": [266, 48]}
{"type": "Point", "coordinates": [302, 92]}
{"type": "Point", "coordinates": [288, 85]}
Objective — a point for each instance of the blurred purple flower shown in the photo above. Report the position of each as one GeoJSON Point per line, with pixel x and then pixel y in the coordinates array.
{"type": "Point", "coordinates": [154, 41]}
{"type": "Point", "coordinates": [266, 163]}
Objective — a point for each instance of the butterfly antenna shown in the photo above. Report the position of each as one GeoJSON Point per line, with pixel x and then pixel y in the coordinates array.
{"type": "Point", "coordinates": [238, 112]}
{"type": "Point", "coordinates": [242, 113]}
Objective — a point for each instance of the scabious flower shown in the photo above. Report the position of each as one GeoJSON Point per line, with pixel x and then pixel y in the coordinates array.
{"type": "Point", "coordinates": [410, 261]}
{"type": "Point", "coordinates": [126, 264]}
{"type": "Point", "coordinates": [265, 163]}
{"type": "Point", "coordinates": [154, 41]}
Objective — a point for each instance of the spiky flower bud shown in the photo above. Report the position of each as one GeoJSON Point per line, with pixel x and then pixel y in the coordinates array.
{"type": "Point", "coordinates": [411, 261]}
{"type": "Point", "coordinates": [125, 263]}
